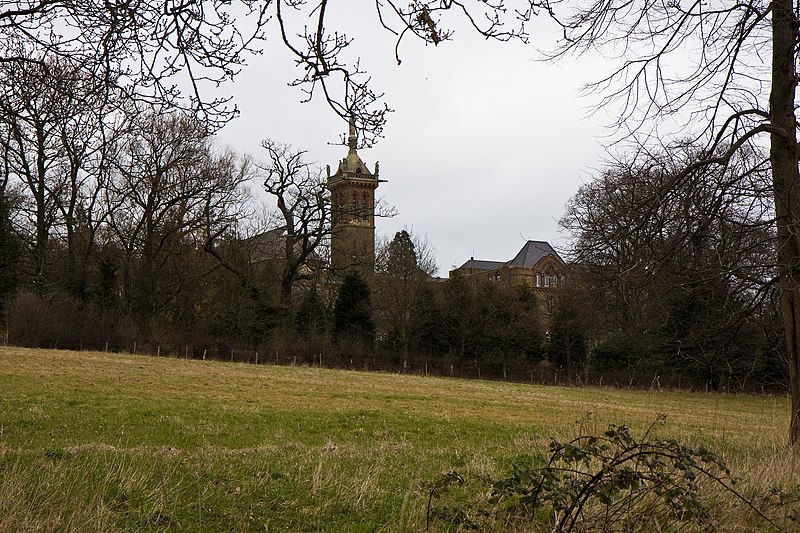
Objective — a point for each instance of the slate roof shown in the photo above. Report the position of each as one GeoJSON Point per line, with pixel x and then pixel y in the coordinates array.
{"type": "Point", "coordinates": [477, 264]}
{"type": "Point", "coordinates": [353, 163]}
{"type": "Point", "coordinates": [270, 245]}
{"type": "Point", "coordinates": [532, 253]}
{"type": "Point", "coordinates": [267, 245]}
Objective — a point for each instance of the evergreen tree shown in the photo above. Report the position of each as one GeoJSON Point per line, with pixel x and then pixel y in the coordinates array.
{"type": "Point", "coordinates": [567, 345]}
{"type": "Point", "coordinates": [311, 317]}
{"type": "Point", "coordinates": [402, 257]}
{"type": "Point", "coordinates": [9, 252]}
{"type": "Point", "coordinates": [352, 313]}
{"type": "Point", "coordinates": [399, 286]}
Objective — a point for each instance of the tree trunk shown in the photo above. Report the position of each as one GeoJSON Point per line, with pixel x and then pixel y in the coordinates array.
{"type": "Point", "coordinates": [786, 185]}
{"type": "Point", "coordinates": [287, 284]}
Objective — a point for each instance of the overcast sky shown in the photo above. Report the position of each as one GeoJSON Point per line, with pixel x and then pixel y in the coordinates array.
{"type": "Point", "coordinates": [484, 148]}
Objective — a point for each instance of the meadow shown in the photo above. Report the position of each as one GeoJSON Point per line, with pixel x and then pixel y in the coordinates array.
{"type": "Point", "coordinates": [113, 442]}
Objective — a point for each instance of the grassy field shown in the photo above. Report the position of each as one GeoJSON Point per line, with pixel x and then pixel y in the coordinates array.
{"type": "Point", "coordinates": [99, 442]}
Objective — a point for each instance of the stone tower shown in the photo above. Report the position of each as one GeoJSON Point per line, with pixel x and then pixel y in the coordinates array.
{"type": "Point", "coordinates": [352, 190]}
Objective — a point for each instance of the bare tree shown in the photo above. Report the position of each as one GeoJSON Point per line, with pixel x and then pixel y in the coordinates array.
{"type": "Point", "coordinates": [140, 48]}
{"type": "Point", "coordinates": [706, 64]}
{"type": "Point", "coordinates": [169, 191]}
{"type": "Point", "coordinates": [149, 48]}
{"type": "Point", "coordinates": [90, 118]}
{"type": "Point", "coordinates": [676, 273]}
{"type": "Point", "coordinates": [46, 138]}
{"type": "Point", "coordinates": [303, 212]}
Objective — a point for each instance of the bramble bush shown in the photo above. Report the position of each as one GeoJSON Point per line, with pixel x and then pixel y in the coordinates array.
{"type": "Point", "coordinates": [613, 482]}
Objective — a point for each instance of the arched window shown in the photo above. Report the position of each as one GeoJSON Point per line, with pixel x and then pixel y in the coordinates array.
{"type": "Point", "coordinates": [538, 279]}
{"type": "Point", "coordinates": [354, 207]}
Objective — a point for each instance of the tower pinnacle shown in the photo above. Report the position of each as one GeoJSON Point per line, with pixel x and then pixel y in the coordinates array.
{"type": "Point", "coordinates": [352, 138]}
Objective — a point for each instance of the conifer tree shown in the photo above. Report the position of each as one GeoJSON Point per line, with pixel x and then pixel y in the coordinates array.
{"type": "Point", "coordinates": [352, 313]}
{"type": "Point", "coordinates": [9, 251]}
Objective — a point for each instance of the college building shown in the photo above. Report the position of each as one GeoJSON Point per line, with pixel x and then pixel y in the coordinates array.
{"type": "Point", "coordinates": [536, 265]}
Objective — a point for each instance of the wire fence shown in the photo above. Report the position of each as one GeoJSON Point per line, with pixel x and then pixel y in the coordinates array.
{"type": "Point", "coordinates": [358, 356]}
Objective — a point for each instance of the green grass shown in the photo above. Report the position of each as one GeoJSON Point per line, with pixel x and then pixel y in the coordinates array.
{"type": "Point", "coordinates": [92, 441]}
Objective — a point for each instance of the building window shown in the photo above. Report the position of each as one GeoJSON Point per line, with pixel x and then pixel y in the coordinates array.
{"type": "Point", "coordinates": [563, 281]}
{"type": "Point", "coordinates": [538, 279]}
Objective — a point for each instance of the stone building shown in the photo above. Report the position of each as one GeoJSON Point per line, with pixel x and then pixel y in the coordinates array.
{"type": "Point", "coordinates": [352, 189]}
{"type": "Point", "coordinates": [537, 265]}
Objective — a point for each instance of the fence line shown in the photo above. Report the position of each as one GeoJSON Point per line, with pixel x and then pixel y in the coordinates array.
{"type": "Point", "coordinates": [518, 371]}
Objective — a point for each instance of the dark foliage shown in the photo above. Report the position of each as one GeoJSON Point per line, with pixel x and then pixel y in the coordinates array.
{"type": "Point", "coordinates": [312, 316]}
{"type": "Point", "coordinates": [676, 273]}
{"type": "Point", "coordinates": [352, 312]}
{"type": "Point", "coordinates": [567, 346]}
{"type": "Point", "coordinates": [9, 252]}
{"type": "Point", "coordinates": [611, 482]}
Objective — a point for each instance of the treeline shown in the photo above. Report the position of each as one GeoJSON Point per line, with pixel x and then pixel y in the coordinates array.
{"type": "Point", "coordinates": [124, 227]}
{"type": "Point", "coordinates": [681, 325]}
{"type": "Point", "coordinates": [106, 204]}
{"type": "Point", "coordinates": [676, 272]}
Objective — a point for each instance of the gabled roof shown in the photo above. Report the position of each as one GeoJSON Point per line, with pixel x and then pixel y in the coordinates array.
{"type": "Point", "coordinates": [532, 253]}
{"type": "Point", "coordinates": [477, 264]}
{"type": "Point", "coordinates": [268, 244]}
{"type": "Point", "coordinates": [529, 256]}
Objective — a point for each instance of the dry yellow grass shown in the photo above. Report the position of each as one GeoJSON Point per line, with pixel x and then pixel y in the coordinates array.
{"type": "Point", "coordinates": [757, 421]}
{"type": "Point", "coordinates": [358, 464]}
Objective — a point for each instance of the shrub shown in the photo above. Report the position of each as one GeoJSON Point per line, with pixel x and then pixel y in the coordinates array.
{"type": "Point", "coordinates": [610, 482]}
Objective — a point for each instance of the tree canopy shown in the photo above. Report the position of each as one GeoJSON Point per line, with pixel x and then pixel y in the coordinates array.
{"type": "Point", "coordinates": [727, 74]}
{"type": "Point", "coordinates": [175, 53]}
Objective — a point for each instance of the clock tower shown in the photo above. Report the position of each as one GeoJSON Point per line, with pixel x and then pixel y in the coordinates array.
{"type": "Point", "coordinates": [352, 189]}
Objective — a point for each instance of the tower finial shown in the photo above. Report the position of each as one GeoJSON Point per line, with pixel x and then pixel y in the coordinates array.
{"type": "Point", "coordinates": [352, 138]}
